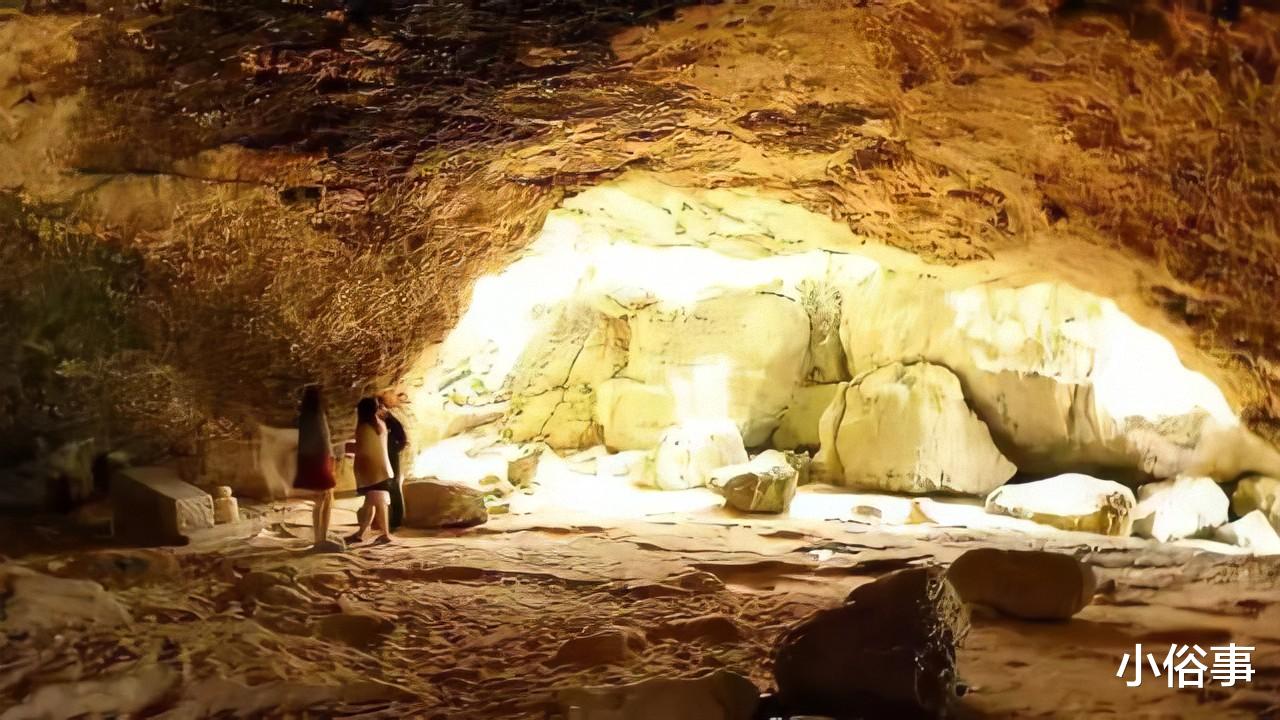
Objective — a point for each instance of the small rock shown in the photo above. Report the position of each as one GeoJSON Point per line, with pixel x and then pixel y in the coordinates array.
{"type": "Point", "coordinates": [1182, 507]}
{"type": "Point", "coordinates": [1251, 532]}
{"type": "Point", "coordinates": [436, 504]}
{"type": "Point", "coordinates": [1026, 584]}
{"type": "Point", "coordinates": [496, 486]}
{"type": "Point", "coordinates": [522, 469]}
{"type": "Point", "coordinates": [888, 651]}
{"type": "Point", "coordinates": [765, 485]}
{"type": "Point", "coordinates": [1258, 493]}
{"type": "Point", "coordinates": [612, 646]}
{"type": "Point", "coordinates": [715, 629]}
{"type": "Point", "coordinates": [722, 695]}
{"type": "Point", "coordinates": [1069, 502]}
{"type": "Point", "coordinates": [801, 461]}
{"type": "Point", "coordinates": [688, 453]}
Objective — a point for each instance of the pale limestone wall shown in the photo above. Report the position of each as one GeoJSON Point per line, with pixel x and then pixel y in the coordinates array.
{"type": "Point", "coordinates": [642, 306]}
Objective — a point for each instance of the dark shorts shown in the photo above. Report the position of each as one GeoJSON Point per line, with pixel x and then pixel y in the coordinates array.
{"type": "Point", "coordinates": [384, 486]}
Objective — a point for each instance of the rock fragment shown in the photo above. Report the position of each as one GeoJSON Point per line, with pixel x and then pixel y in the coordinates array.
{"type": "Point", "coordinates": [766, 484]}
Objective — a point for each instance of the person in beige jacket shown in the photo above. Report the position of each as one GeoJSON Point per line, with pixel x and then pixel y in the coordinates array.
{"type": "Point", "coordinates": [373, 471]}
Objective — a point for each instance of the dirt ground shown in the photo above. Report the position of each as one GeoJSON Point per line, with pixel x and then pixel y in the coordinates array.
{"type": "Point", "coordinates": [474, 623]}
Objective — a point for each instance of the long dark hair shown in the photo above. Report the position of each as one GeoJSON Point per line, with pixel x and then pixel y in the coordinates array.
{"type": "Point", "coordinates": [313, 426]}
{"type": "Point", "coordinates": [367, 412]}
{"type": "Point", "coordinates": [312, 401]}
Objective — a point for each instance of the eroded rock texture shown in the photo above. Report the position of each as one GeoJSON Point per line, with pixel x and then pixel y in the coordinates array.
{"type": "Point", "coordinates": [249, 196]}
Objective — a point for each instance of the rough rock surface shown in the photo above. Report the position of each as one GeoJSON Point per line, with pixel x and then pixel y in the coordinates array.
{"type": "Point", "coordinates": [1027, 584]}
{"type": "Point", "coordinates": [1252, 532]}
{"type": "Point", "coordinates": [687, 454]}
{"type": "Point", "coordinates": [766, 484]}
{"type": "Point", "coordinates": [33, 601]}
{"type": "Point", "coordinates": [1069, 502]}
{"type": "Point", "coordinates": [889, 649]}
{"type": "Point", "coordinates": [907, 428]}
{"type": "Point", "coordinates": [1180, 507]}
{"type": "Point", "coordinates": [798, 428]}
{"type": "Point", "coordinates": [1063, 378]}
{"type": "Point", "coordinates": [875, 125]}
{"type": "Point", "coordinates": [1258, 493]}
{"type": "Point", "coordinates": [151, 506]}
{"type": "Point", "coordinates": [609, 646]}
{"type": "Point", "coordinates": [437, 504]}
{"type": "Point", "coordinates": [720, 695]}
{"type": "Point", "coordinates": [698, 360]}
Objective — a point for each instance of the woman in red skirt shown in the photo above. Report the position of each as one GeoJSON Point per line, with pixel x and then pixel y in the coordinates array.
{"type": "Point", "coordinates": [315, 461]}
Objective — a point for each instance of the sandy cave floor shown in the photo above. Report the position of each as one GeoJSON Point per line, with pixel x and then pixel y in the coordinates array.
{"type": "Point", "coordinates": [467, 624]}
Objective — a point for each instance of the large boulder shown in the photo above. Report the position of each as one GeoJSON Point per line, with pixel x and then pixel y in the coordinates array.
{"type": "Point", "coordinates": [907, 428]}
{"type": "Point", "coordinates": [1180, 507]}
{"type": "Point", "coordinates": [1251, 532]}
{"type": "Point", "coordinates": [1258, 493]}
{"type": "Point", "coordinates": [721, 695]}
{"type": "Point", "coordinates": [1026, 584]}
{"type": "Point", "coordinates": [888, 651]}
{"type": "Point", "coordinates": [1068, 502]}
{"type": "Point", "coordinates": [688, 453]}
{"type": "Point", "coordinates": [152, 506]}
{"type": "Point", "coordinates": [435, 504]}
{"type": "Point", "coordinates": [1063, 378]}
{"type": "Point", "coordinates": [766, 484]}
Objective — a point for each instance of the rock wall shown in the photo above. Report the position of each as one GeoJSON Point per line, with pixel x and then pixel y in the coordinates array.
{"type": "Point", "coordinates": [642, 307]}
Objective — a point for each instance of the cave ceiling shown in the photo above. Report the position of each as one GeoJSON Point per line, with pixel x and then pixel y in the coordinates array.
{"type": "Point", "coordinates": [288, 191]}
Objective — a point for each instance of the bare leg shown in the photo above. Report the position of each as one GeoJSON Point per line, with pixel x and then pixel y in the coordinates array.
{"type": "Point", "coordinates": [382, 523]}
{"type": "Point", "coordinates": [365, 516]}
{"type": "Point", "coordinates": [317, 518]}
{"type": "Point", "coordinates": [325, 515]}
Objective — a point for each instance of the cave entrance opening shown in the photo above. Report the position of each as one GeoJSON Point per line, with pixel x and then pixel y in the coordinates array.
{"type": "Point", "coordinates": [665, 350]}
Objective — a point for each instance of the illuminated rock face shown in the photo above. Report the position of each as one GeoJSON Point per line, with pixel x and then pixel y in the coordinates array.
{"type": "Point", "coordinates": [642, 307]}
{"type": "Point", "coordinates": [906, 428]}
{"type": "Point", "coordinates": [1260, 494]}
{"type": "Point", "coordinates": [688, 454]}
{"type": "Point", "coordinates": [1179, 508]}
{"type": "Point", "coordinates": [1068, 502]}
{"type": "Point", "coordinates": [739, 355]}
